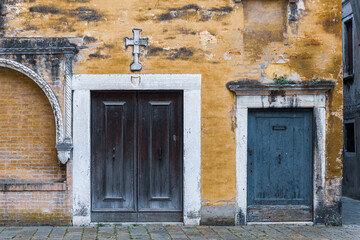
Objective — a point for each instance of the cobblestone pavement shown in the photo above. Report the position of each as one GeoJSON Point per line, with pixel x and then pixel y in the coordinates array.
{"type": "Point", "coordinates": [182, 232]}
{"type": "Point", "coordinates": [350, 230]}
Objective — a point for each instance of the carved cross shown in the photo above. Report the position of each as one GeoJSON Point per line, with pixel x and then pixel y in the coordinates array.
{"type": "Point", "coordinates": [136, 42]}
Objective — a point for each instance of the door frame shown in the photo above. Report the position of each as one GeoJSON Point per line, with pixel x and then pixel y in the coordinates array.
{"type": "Point", "coordinates": [83, 84]}
{"type": "Point", "coordinates": [255, 95]}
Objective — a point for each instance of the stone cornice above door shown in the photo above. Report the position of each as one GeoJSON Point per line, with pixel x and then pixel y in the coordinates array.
{"type": "Point", "coordinates": [38, 46]}
{"type": "Point", "coordinates": [255, 88]}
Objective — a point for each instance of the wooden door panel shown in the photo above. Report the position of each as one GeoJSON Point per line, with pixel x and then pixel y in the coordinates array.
{"type": "Point", "coordinates": [282, 155]}
{"type": "Point", "coordinates": [136, 172]}
{"type": "Point", "coordinates": [114, 160]}
{"type": "Point", "coordinates": [279, 163]}
{"type": "Point", "coordinates": [159, 150]}
{"type": "Point", "coordinates": [160, 167]}
{"type": "Point", "coordinates": [113, 185]}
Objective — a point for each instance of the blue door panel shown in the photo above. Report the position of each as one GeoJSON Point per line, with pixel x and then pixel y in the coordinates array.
{"type": "Point", "coordinates": [280, 157]}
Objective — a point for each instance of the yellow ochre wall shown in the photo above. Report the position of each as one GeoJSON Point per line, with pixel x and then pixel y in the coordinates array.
{"type": "Point", "coordinates": [220, 39]}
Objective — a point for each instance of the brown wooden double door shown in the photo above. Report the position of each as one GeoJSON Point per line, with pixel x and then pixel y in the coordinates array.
{"type": "Point", "coordinates": [136, 171]}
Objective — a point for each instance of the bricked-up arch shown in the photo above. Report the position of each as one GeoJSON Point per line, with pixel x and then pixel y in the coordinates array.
{"type": "Point", "coordinates": [54, 102]}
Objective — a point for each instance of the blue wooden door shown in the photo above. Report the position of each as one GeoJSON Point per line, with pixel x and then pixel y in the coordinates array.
{"type": "Point", "coordinates": [280, 165]}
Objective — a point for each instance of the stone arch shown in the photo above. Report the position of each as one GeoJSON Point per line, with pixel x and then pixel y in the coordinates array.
{"type": "Point", "coordinates": [54, 102]}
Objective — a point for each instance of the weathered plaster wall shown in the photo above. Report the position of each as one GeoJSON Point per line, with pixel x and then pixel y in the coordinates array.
{"type": "Point", "coordinates": [221, 40]}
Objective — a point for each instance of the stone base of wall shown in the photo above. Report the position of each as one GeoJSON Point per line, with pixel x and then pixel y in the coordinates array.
{"type": "Point", "coordinates": [330, 215]}
{"type": "Point", "coordinates": [333, 214]}
{"type": "Point", "coordinates": [218, 215]}
{"type": "Point", "coordinates": [35, 204]}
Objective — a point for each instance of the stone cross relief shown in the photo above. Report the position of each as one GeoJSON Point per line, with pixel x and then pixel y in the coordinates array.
{"type": "Point", "coordinates": [136, 42]}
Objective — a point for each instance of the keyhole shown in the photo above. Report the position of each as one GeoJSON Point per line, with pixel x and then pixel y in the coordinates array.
{"type": "Point", "coordinates": [113, 156]}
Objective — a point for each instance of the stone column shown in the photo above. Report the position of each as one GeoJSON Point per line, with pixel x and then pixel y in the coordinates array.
{"type": "Point", "coordinates": [68, 97]}
{"type": "Point", "coordinates": [64, 148]}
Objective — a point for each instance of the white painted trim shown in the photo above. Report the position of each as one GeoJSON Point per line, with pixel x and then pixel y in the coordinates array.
{"type": "Point", "coordinates": [137, 82]}
{"type": "Point", "coordinates": [319, 158]}
{"type": "Point", "coordinates": [317, 101]}
{"type": "Point", "coordinates": [190, 84]}
{"type": "Point", "coordinates": [81, 157]}
{"type": "Point", "coordinates": [241, 162]}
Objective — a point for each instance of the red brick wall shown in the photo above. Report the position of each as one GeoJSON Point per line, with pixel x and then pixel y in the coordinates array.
{"type": "Point", "coordinates": [43, 207]}
{"type": "Point", "coordinates": [28, 155]}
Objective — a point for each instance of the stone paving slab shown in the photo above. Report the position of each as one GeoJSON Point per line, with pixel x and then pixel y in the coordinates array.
{"type": "Point", "coordinates": [351, 211]}
{"type": "Point", "coordinates": [160, 232]}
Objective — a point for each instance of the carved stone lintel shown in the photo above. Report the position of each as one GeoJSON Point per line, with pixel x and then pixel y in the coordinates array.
{"type": "Point", "coordinates": [255, 88]}
{"type": "Point", "coordinates": [64, 151]}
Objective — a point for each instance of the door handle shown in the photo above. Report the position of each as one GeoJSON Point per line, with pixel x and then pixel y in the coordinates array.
{"type": "Point", "coordinates": [113, 156]}
{"type": "Point", "coordinates": [160, 154]}
{"type": "Point", "coordinates": [251, 163]}
{"type": "Point", "coordinates": [279, 162]}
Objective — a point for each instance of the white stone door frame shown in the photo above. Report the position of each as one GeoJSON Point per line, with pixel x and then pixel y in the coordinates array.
{"type": "Point", "coordinates": [257, 96]}
{"type": "Point", "coordinates": [82, 86]}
